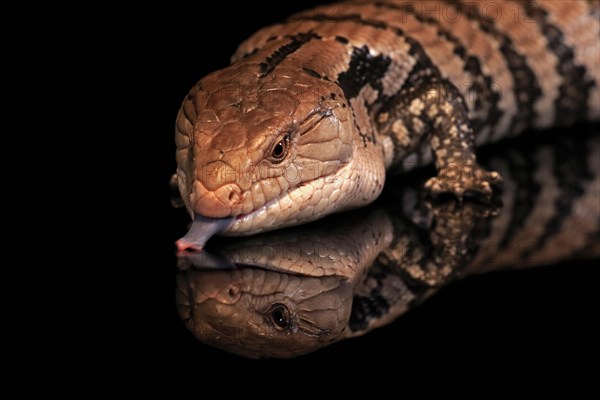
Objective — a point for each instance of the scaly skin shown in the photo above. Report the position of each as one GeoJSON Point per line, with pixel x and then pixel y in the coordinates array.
{"type": "Point", "coordinates": [312, 112]}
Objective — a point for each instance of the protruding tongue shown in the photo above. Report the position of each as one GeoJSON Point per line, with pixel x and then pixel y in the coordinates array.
{"type": "Point", "coordinates": [201, 230]}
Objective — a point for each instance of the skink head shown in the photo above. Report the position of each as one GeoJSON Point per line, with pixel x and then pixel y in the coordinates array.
{"type": "Point", "coordinates": [251, 145]}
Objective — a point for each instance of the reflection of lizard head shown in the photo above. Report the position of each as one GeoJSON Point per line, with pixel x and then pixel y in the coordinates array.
{"type": "Point", "coordinates": [291, 292]}
{"type": "Point", "coordinates": [258, 313]}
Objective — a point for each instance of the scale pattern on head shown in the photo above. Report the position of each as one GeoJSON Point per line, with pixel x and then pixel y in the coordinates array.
{"type": "Point", "coordinates": [246, 137]}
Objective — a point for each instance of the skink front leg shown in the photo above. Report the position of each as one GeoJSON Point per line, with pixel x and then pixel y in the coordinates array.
{"type": "Point", "coordinates": [433, 111]}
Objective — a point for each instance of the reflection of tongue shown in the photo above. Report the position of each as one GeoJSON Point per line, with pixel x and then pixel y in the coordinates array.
{"type": "Point", "coordinates": [201, 230]}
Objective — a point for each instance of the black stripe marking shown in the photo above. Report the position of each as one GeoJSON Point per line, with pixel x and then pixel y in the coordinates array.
{"type": "Point", "coordinates": [572, 174]}
{"type": "Point", "coordinates": [522, 170]}
{"type": "Point", "coordinates": [372, 305]}
{"type": "Point", "coordinates": [365, 309]}
{"type": "Point", "coordinates": [409, 239]}
{"type": "Point", "coordinates": [342, 40]}
{"type": "Point", "coordinates": [298, 40]}
{"type": "Point", "coordinates": [340, 18]}
{"type": "Point", "coordinates": [364, 69]}
{"type": "Point", "coordinates": [416, 50]}
{"type": "Point", "coordinates": [422, 68]}
{"type": "Point", "coordinates": [593, 238]}
{"type": "Point", "coordinates": [527, 89]}
{"type": "Point", "coordinates": [571, 104]}
{"type": "Point", "coordinates": [312, 73]}
{"type": "Point", "coordinates": [481, 85]}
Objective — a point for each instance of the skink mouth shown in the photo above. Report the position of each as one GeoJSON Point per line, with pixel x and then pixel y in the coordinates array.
{"type": "Point", "coordinates": [260, 209]}
{"type": "Point", "coordinates": [203, 228]}
{"type": "Point", "coordinates": [263, 218]}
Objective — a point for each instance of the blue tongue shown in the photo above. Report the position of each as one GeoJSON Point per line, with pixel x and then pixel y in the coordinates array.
{"type": "Point", "coordinates": [201, 230]}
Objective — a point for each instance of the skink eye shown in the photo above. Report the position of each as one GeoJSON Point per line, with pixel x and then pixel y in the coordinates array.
{"type": "Point", "coordinates": [280, 149]}
{"type": "Point", "coordinates": [280, 316]}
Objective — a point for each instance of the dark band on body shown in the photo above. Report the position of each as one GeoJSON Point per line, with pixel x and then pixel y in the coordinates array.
{"type": "Point", "coordinates": [481, 85]}
{"type": "Point", "coordinates": [359, 73]}
{"type": "Point", "coordinates": [571, 103]}
{"type": "Point", "coordinates": [362, 59]}
{"type": "Point", "coordinates": [522, 170]}
{"type": "Point", "coordinates": [297, 41]}
{"type": "Point", "coordinates": [527, 89]}
{"type": "Point", "coordinates": [571, 174]}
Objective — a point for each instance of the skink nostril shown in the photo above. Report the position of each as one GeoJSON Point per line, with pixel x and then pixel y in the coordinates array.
{"type": "Point", "coordinates": [223, 202]}
{"type": "Point", "coordinates": [234, 196]}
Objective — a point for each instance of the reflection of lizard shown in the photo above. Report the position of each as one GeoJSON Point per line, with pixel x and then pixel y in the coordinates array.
{"type": "Point", "coordinates": [313, 111]}
{"type": "Point", "coordinates": [299, 289]}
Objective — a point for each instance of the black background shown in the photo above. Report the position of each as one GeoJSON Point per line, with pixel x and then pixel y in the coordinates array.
{"type": "Point", "coordinates": [529, 319]}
